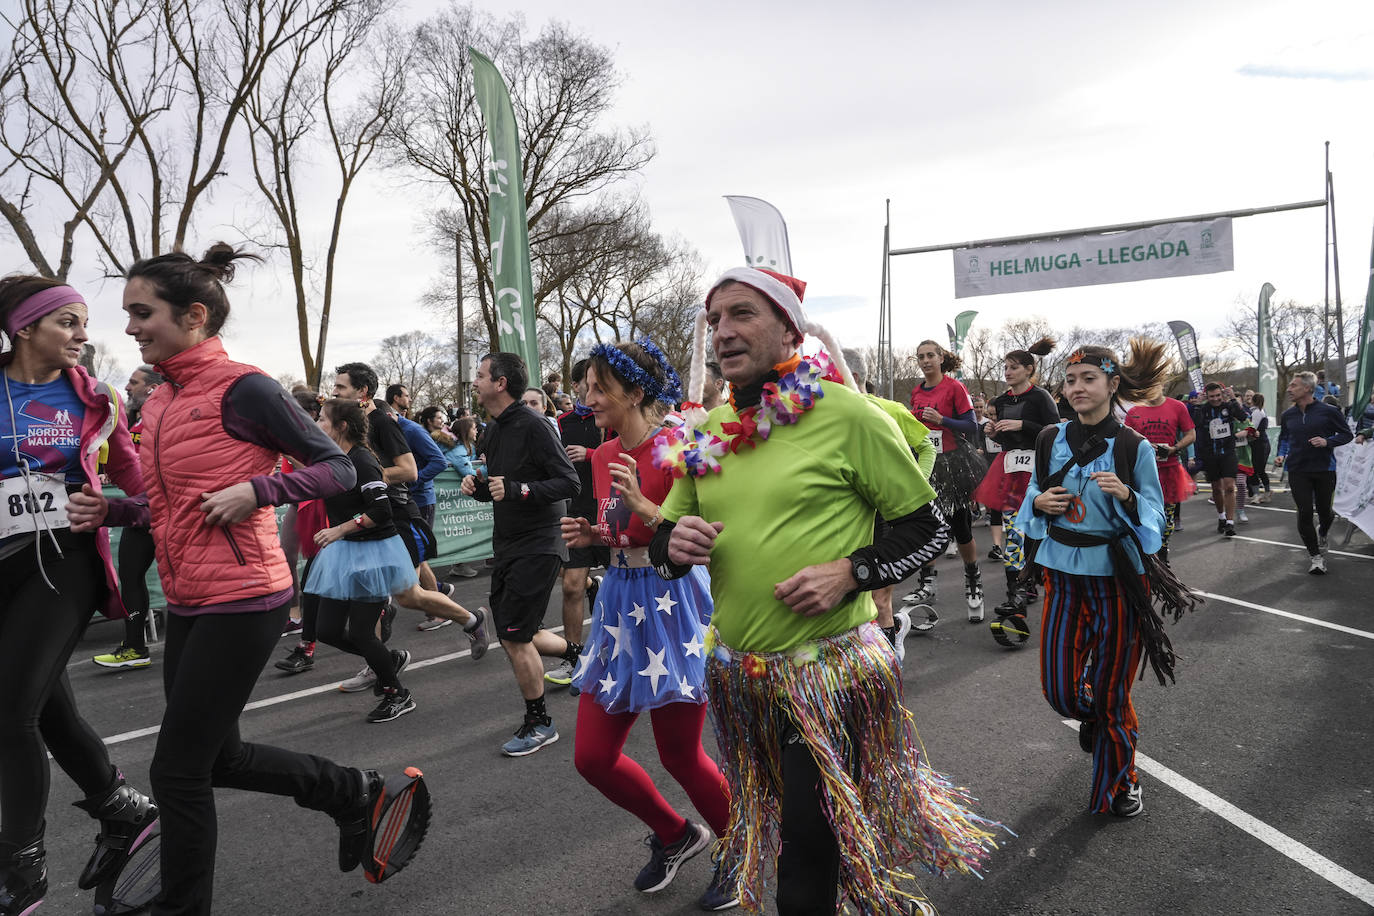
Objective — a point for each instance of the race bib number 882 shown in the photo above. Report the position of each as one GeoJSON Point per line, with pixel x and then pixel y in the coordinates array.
{"type": "Point", "coordinates": [34, 506]}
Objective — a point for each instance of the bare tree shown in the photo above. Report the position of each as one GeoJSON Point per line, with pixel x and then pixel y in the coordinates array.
{"type": "Point", "coordinates": [1297, 330]}
{"type": "Point", "coordinates": [561, 88]}
{"type": "Point", "coordinates": [421, 363]}
{"type": "Point", "coordinates": [295, 103]}
{"type": "Point", "coordinates": [120, 113]}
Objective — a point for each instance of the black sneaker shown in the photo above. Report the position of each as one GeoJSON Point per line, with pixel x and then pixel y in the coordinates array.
{"type": "Point", "coordinates": [388, 619]}
{"type": "Point", "coordinates": [1085, 736]}
{"type": "Point", "coordinates": [1129, 802]}
{"type": "Point", "coordinates": [592, 589]}
{"type": "Point", "coordinates": [296, 661]}
{"type": "Point", "coordinates": [1221, 526]}
{"type": "Point", "coordinates": [400, 658]}
{"type": "Point", "coordinates": [995, 553]}
{"type": "Point", "coordinates": [721, 893]}
{"type": "Point", "coordinates": [395, 703]}
{"type": "Point", "coordinates": [664, 861]}
{"type": "Point", "coordinates": [1229, 530]}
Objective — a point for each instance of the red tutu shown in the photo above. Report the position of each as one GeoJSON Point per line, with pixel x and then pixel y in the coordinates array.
{"type": "Point", "coordinates": [1175, 483]}
{"type": "Point", "coordinates": [1000, 491]}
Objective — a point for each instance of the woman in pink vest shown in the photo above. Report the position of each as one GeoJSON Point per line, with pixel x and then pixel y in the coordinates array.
{"type": "Point", "coordinates": [212, 438]}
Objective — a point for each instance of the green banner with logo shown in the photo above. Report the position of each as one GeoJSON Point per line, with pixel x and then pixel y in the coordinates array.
{"type": "Point", "coordinates": [1364, 377]}
{"type": "Point", "coordinates": [1268, 367]}
{"type": "Point", "coordinates": [962, 322]}
{"type": "Point", "coordinates": [462, 526]}
{"type": "Point", "coordinates": [509, 231]}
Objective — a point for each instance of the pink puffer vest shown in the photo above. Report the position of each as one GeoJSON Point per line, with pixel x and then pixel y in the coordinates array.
{"type": "Point", "coordinates": [186, 452]}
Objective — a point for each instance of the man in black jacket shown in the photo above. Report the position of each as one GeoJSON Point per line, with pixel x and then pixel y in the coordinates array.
{"type": "Point", "coordinates": [1216, 449]}
{"type": "Point", "coordinates": [528, 480]}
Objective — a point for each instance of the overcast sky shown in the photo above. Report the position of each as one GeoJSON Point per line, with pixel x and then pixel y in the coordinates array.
{"type": "Point", "coordinates": [976, 119]}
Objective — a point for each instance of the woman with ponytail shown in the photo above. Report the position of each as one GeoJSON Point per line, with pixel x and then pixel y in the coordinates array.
{"type": "Point", "coordinates": [1168, 426]}
{"type": "Point", "coordinates": [1022, 411]}
{"type": "Point", "coordinates": [1095, 506]}
{"type": "Point", "coordinates": [943, 404]}
{"type": "Point", "coordinates": [212, 438]}
{"type": "Point", "coordinates": [63, 429]}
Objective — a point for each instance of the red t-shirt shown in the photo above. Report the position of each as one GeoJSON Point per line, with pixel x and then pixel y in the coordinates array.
{"type": "Point", "coordinates": [950, 398]}
{"type": "Point", "coordinates": [1161, 425]}
{"type": "Point", "coordinates": [616, 525]}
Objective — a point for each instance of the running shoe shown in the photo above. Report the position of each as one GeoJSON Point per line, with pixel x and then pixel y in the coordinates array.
{"type": "Point", "coordinates": [720, 894]}
{"type": "Point", "coordinates": [1129, 802]}
{"type": "Point", "coordinates": [561, 675]}
{"type": "Point", "coordinates": [433, 623]}
{"type": "Point", "coordinates": [298, 660]}
{"type": "Point", "coordinates": [1241, 517]}
{"type": "Point", "coordinates": [664, 861]}
{"type": "Point", "coordinates": [389, 613]}
{"type": "Point", "coordinates": [973, 594]}
{"type": "Point", "coordinates": [400, 659]}
{"type": "Point", "coordinates": [1321, 540]}
{"type": "Point", "coordinates": [1229, 530]}
{"type": "Point", "coordinates": [1221, 526]}
{"type": "Point", "coordinates": [477, 636]}
{"type": "Point", "coordinates": [593, 586]}
{"type": "Point", "coordinates": [396, 702]}
{"type": "Point", "coordinates": [293, 627]}
{"type": "Point", "coordinates": [901, 619]}
{"type": "Point", "coordinates": [125, 657]}
{"type": "Point", "coordinates": [23, 880]}
{"type": "Point", "coordinates": [361, 681]}
{"type": "Point", "coordinates": [530, 737]}
{"type": "Point", "coordinates": [463, 571]}
{"type": "Point", "coordinates": [447, 589]}
{"type": "Point", "coordinates": [995, 553]}
{"type": "Point", "coordinates": [1318, 567]}
{"type": "Point", "coordinates": [952, 548]}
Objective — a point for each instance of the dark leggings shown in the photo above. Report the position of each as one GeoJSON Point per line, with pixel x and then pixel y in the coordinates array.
{"type": "Point", "coordinates": [135, 558]}
{"type": "Point", "coordinates": [352, 627]}
{"type": "Point", "coordinates": [39, 628]}
{"type": "Point", "coordinates": [961, 525]}
{"type": "Point", "coordinates": [310, 607]}
{"type": "Point", "coordinates": [809, 859]}
{"type": "Point", "coordinates": [210, 665]}
{"type": "Point", "coordinates": [1312, 489]}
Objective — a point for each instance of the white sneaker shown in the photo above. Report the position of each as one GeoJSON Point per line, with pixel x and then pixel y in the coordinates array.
{"type": "Point", "coordinates": [363, 680]}
{"type": "Point", "coordinates": [973, 594]}
{"type": "Point", "coordinates": [1241, 517]}
{"type": "Point", "coordinates": [1318, 567]}
{"type": "Point", "coordinates": [902, 620]}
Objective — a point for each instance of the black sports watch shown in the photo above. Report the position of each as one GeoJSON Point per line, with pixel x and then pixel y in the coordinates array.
{"type": "Point", "coordinates": [865, 571]}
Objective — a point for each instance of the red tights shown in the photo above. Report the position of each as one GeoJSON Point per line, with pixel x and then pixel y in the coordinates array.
{"type": "Point", "coordinates": [677, 732]}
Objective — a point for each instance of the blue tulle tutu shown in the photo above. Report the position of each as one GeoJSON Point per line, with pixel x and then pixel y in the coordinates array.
{"type": "Point", "coordinates": [645, 648]}
{"type": "Point", "coordinates": [361, 570]}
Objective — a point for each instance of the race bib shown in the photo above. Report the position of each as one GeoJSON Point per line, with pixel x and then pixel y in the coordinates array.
{"type": "Point", "coordinates": [1019, 461]}
{"type": "Point", "coordinates": [937, 438]}
{"type": "Point", "coordinates": [993, 447]}
{"type": "Point", "coordinates": [1219, 428]}
{"type": "Point", "coordinates": [34, 506]}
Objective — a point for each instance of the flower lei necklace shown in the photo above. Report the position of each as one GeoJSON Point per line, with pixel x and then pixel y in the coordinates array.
{"type": "Point", "coordinates": [686, 450]}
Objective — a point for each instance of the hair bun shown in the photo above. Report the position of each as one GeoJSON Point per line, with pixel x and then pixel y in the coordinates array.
{"type": "Point", "coordinates": [220, 258]}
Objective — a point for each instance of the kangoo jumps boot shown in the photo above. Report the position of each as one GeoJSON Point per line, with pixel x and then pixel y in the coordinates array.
{"type": "Point", "coordinates": [127, 819]}
{"type": "Point", "coordinates": [23, 878]}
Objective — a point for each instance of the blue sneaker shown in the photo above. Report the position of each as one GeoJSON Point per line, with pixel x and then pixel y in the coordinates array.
{"type": "Point", "coordinates": [530, 737]}
{"type": "Point", "coordinates": [720, 894]}
{"type": "Point", "coordinates": [664, 861]}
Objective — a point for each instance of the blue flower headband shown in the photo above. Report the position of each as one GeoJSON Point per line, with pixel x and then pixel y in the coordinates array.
{"type": "Point", "coordinates": [669, 391]}
{"type": "Point", "coordinates": [1105, 363]}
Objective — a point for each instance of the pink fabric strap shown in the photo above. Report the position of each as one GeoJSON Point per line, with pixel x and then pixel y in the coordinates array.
{"type": "Point", "coordinates": [40, 304]}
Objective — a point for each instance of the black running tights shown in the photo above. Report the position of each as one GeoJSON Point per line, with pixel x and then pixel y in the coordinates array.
{"type": "Point", "coordinates": [210, 665]}
{"type": "Point", "coordinates": [135, 557]}
{"type": "Point", "coordinates": [352, 627]}
{"type": "Point", "coordinates": [1312, 490]}
{"type": "Point", "coordinates": [39, 628]}
{"type": "Point", "coordinates": [809, 858]}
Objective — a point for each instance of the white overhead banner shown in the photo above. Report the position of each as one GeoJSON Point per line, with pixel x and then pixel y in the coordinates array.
{"type": "Point", "coordinates": [1168, 250]}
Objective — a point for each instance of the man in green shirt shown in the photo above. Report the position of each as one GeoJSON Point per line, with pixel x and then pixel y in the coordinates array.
{"type": "Point", "coordinates": [777, 491]}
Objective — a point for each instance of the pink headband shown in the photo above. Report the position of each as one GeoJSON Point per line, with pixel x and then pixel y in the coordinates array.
{"type": "Point", "coordinates": [40, 304]}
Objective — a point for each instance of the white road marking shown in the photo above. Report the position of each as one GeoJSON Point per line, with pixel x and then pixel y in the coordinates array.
{"type": "Point", "coordinates": [1305, 856]}
{"type": "Point", "coordinates": [1289, 614]}
{"type": "Point", "coordinates": [1269, 508]}
{"type": "Point", "coordinates": [1343, 553]}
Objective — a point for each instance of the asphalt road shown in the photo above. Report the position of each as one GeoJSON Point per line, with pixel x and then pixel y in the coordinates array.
{"type": "Point", "coordinates": [1271, 716]}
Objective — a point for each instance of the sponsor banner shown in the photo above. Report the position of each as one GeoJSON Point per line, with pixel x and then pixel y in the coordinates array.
{"type": "Point", "coordinates": [1186, 338]}
{"type": "Point", "coordinates": [462, 527]}
{"type": "Point", "coordinates": [1364, 371]}
{"type": "Point", "coordinates": [509, 232]}
{"type": "Point", "coordinates": [1355, 485]}
{"type": "Point", "coordinates": [1168, 250]}
{"type": "Point", "coordinates": [763, 232]}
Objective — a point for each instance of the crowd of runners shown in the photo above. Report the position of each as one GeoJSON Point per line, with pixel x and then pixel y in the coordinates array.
{"type": "Point", "coordinates": [737, 538]}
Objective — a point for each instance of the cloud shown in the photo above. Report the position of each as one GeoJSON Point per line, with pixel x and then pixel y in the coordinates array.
{"type": "Point", "coordinates": [1279, 71]}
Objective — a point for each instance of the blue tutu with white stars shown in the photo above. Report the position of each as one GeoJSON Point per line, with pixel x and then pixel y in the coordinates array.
{"type": "Point", "coordinates": [645, 648]}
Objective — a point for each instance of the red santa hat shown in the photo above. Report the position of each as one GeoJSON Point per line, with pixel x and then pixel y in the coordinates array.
{"type": "Point", "coordinates": [783, 291]}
